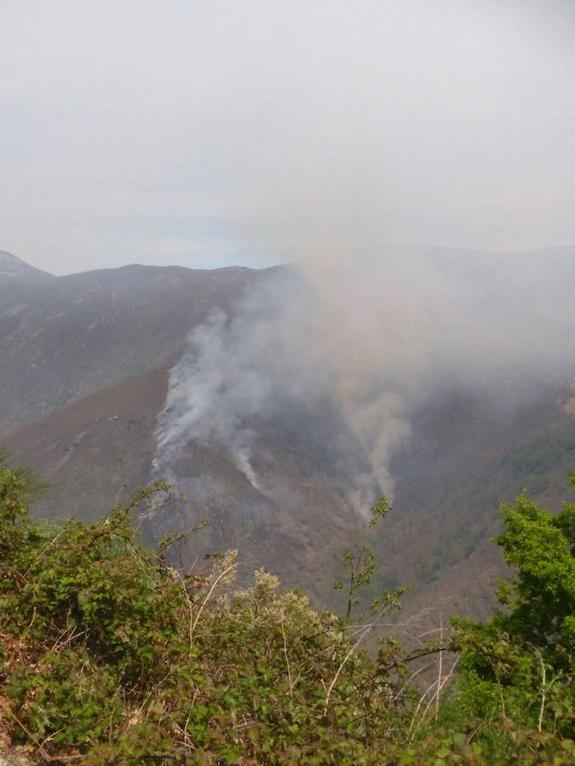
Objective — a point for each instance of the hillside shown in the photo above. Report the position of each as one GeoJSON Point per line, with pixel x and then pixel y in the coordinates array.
{"type": "Point", "coordinates": [466, 459]}
{"type": "Point", "coordinates": [13, 270]}
{"type": "Point", "coordinates": [95, 452]}
{"type": "Point", "coordinates": [461, 464]}
{"type": "Point", "coordinates": [63, 338]}
{"type": "Point", "coordinates": [88, 361]}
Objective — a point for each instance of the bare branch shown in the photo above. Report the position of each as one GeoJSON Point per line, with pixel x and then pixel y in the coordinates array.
{"type": "Point", "coordinates": [340, 668]}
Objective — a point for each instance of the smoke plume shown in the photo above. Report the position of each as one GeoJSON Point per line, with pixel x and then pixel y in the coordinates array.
{"type": "Point", "coordinates": [379, 336]}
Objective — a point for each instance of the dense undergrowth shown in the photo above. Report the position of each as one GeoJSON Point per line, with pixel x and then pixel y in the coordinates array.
{"type": "Point", "coordinates": [109, 655]}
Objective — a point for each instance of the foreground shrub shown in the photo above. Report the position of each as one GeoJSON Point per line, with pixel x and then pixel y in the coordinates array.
{"type": "Point", "coordinates": [112, 655]}
{"type": "Point", "coordinates": [515, 691]}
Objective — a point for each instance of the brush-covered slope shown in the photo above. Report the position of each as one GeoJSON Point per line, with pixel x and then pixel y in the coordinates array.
{"type": "Point", "coordinates": [84, 376]}
{"type": "Point", "coordinates": [62, 338]}
{"type": "Point", "coordinates": [95, 452]}
{"type": "Point", "coordinates": [460, 464]}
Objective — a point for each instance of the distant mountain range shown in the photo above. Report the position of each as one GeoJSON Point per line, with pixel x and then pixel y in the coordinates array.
{"type": "Point", "coordinates": [84, 374]}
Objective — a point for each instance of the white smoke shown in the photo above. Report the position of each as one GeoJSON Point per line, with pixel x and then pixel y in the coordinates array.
{"type": "Point", "coordinates": [378, 338]}
{"type": "Point", "coordinates": [211, 394]}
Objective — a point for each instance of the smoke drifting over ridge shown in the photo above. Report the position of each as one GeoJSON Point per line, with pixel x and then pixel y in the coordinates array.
{"type": "Point", "coordinates": [411, 123]}
{"type": "Point", "coordinates": [377, 337]}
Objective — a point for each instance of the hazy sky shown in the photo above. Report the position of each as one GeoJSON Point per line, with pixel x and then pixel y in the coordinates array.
{"type": "Point", "coordinates": [211, 132]}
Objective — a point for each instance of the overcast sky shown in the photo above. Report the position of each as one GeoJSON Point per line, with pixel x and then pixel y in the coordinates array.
{"type": "Point", "coordinates": [209, 132]}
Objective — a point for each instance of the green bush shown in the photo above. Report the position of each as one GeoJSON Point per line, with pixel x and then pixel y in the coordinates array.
{"type": "Point", "coordinates": [111, 656]}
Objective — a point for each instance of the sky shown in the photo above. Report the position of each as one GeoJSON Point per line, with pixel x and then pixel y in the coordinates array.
{"type": "Point", "coordinates": [205, 133]}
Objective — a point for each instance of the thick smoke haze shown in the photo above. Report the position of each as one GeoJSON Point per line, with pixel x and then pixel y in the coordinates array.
{"type": "Point", "coordinates": [379, 337]}
{"type": "Point", "coordinates": [207, 133]}
{"type": "Point", "coordinates": [341, 137]}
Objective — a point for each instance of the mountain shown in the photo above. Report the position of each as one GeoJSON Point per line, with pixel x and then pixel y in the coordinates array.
{"type": "Point", "coordinates": [88, 358]}
{"type": "Point", "coordinates": [93, 452]}
{"type": "Point", "coordinates": [86, 364]}
{"type": "Point", "coordinates": [461, 463]}
{"type": "Point", "coordinates": [12, 268]}
{"type": "Point", "coordinates": [465, 459]}
{"type": "Point", "coordinates": [96, 451]}
{"type": "Point", "coordinates": [63, 338]}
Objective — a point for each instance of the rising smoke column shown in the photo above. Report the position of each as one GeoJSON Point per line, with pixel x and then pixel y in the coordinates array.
{"type": "Point", "coordinates": [287, 342]}
{"type": "Point", "coordinates": [274, 352]}
{"type": "Point", "coordinates": [379, 338]}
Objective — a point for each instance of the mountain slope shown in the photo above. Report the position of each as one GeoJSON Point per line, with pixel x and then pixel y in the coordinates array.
{"type": "Point", "coordinates": [464, 460]}
{"type": "Point", "coordinates": [63, 338]}
{"type": "Point", "coordinates": [84, 374]}
{"type": "Point", "coordinates": [460, 464]}
{"type": "Point", "coordinates": [95, 452]}
{"type": "Point", "coordinates": [13, 268]}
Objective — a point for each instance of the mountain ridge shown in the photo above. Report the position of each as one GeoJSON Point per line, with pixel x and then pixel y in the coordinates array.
{"type": "Point", "coordinates": [12, 267]}
{"type": "Point", "coordinates": [86, 361]}
{"type": "Point", "coordinates": [65, 337]}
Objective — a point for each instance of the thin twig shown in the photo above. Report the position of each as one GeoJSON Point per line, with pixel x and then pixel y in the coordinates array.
{"type": "Point", "coordinates": [501, 697]}
{"type": "Point", "coordinates": [211, 590]}
{"type": "Point", "coordinates": [190, 607]}
{"type": "Point", "coordinates": [44, 753]}
{"type": "Point", "coordinates": [340, 668]}
{"type": "Point", "coordinates": [543, 690]}
{"type": "Point", "coordinates": [419, 704]}
{"type": "Point", "coordinates": [290, 680]}
{"type": "Point", "coordinates": [438, 692]}
{"type": "Point", "coordinates": [412, 657]}
{"type": "Point", "coordinates": [411, 677]}
{"type": "Point", "coordinates": [43, 551]}
{"type": "Point", "coordinates": [439, 669]}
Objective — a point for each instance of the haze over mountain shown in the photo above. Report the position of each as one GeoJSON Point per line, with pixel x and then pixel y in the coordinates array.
{"type": "Point", "coordinates": [208, 133]}
{"type": "Point", "coordinates": [292, 267]}
{"type": "Point", "coordinates": [65, 337]}
{"type": "Point", "coordinates": [100, 366]}
{"type": "Point", "coordinates": [12, 268]}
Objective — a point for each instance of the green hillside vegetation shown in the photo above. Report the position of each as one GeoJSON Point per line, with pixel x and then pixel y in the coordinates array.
{"type": "Point", "coordinates": [110, 655]}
